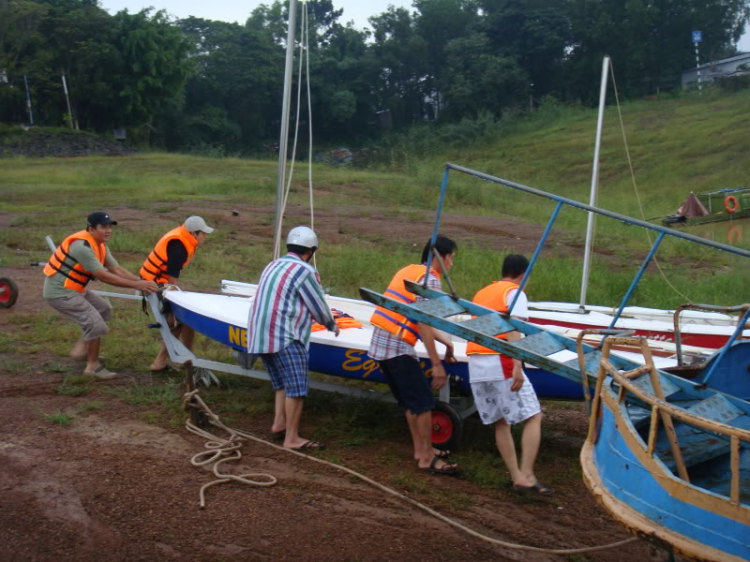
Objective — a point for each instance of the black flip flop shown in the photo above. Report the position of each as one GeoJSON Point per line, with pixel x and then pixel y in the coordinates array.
{"type": "Point", "coordinates": [537, 488]}
{"type": "Point", "coordinates": [309, 445]}
{"type": "Point", "coordinates": [165, 369]}
{"type": "Point", "coordinates": [278, 435]}
{"type": "Point", "coordinates": [448, 470]}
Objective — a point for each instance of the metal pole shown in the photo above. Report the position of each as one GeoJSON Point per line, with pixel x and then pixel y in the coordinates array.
{"type": "Point", "coordinates": [28, 101]}
{"type": "Point", "coordinates": [436, 229]}
{"type": "Point", "coordinates": [284, 136]}
{"type": "Point", "coordinates": [594, 186]}
{"type": "Point", "coordinates": [67, 99]}
{"type": "Point", "coordinates": [698, 69]}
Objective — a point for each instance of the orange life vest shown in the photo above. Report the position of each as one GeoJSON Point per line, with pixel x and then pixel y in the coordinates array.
{"type": "Point", "coordinates": [343, 320]}
{"type": "Point", "coordinates": [395, 323]}
{"type": "Point", "coordinates": [155, 266]}
{"type": "Point", "coordinates": [77, 277]}
{"type": "Point", "coordinates": [494, 296]}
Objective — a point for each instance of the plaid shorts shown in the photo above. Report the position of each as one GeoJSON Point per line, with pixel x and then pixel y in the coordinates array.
{"type": "Point", "coordinates": [288, 369]}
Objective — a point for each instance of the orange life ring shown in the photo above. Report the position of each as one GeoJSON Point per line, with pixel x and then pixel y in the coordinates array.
{"type": "Point", "coordinates": [734, 234]}
{"type": "Point", "coordinates": [731, 204]}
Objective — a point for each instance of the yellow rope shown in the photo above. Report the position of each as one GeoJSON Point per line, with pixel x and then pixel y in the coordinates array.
{"type": "Point", "coordinates": [635, 189]}
{"type": "Point", "coordinates": [218, 451]}
{"type": "Point", "coordinates": [191, 399]}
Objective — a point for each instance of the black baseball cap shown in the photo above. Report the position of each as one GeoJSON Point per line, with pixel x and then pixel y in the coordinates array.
{"type": "Point", "coordinates": [99, 217]}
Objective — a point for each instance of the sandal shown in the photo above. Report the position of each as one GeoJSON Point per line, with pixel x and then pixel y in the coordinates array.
{"type": "Point", "coordinates": [537, 488]}
{"type": "Point", "coordinates": [447, 469]}
{"type": "Point", "coordinates": [316, 445]}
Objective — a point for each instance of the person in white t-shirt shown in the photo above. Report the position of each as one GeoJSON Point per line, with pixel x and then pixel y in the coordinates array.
{"type": "Point", "coordinates": [502, 393]}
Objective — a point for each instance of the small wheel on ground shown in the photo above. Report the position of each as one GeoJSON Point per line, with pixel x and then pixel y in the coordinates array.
{"type": "Point", "coordinates": [8, 292]}
{"type": "Point", "coordinates": [447, 427]}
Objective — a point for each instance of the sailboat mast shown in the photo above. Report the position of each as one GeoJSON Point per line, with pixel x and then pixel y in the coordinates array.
{"type": "Point", "coordinates": [594, 186]}
{"type": "Point", "coordinates": [284, 136]}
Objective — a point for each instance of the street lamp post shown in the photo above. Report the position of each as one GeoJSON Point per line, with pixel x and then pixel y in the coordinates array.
{"type": "Point", "coordinates": [697, 37]}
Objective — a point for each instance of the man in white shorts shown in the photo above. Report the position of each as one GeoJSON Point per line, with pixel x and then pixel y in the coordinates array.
{"type": "Point", "coordinates": [502, 392]}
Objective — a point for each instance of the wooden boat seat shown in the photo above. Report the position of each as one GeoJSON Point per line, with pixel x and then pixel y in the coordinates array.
{"type": "Point", "coordinates": [698, 445]}
{"type": "Point", "coordinates": [591, 361]}
{"type": "Point", "coordinates": [643, 383]}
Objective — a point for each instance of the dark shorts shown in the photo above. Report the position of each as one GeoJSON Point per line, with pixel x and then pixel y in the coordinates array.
{"type": "Point", "coordinates": [408, 383]}
{"type": "Point", "coordinates": [288, 369]}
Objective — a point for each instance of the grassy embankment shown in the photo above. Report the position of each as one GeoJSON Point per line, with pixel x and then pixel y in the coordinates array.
{"type": "Point", "coordinates": [692, 143]}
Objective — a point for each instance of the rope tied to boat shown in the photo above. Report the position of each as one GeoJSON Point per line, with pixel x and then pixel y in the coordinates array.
{"type": "Point", "coordinates": [218, 450]}
{"type": "Point", "coordinates": [217, 447]}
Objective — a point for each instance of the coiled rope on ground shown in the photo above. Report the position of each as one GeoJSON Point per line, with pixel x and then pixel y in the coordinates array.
{"type": "Point", "coordinates": [218, 449]}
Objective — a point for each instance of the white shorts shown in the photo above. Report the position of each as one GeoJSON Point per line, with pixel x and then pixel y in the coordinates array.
{"type": "Point", "coordinates": [495, 401]}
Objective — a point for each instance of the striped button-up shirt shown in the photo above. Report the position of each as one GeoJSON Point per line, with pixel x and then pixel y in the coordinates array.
{"type": "Point", "coordinates": [288, 298]}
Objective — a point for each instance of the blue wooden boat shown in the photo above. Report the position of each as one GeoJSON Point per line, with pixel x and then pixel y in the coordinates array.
{"type": "Point", "coordinates": [672, 462]}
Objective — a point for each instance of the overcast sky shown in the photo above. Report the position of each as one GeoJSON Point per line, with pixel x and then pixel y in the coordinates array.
{"type": "Point", "coordinates": [238, 11]}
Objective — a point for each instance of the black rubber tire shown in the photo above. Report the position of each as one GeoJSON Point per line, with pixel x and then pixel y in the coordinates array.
{"type": "Point", "coordinates": [8, 292]}
{"type": "Point", "coordinates": [447, 427]}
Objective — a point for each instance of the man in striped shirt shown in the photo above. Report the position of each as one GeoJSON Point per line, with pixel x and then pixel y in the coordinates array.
{"type": "Point", "coordinates": [288, 298]}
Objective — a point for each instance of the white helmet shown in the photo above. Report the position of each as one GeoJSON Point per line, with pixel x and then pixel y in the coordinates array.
{"type": "Point", "coordinates": [302, 236]}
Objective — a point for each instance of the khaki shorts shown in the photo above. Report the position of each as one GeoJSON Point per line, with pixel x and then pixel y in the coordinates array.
{"type": "Point", "coordinates": [90, 311]}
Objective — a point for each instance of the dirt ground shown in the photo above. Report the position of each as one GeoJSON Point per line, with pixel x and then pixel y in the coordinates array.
{"type": "Point", "coordinates": [112, 487]}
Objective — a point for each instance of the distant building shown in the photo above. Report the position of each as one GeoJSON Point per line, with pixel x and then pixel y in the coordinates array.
{"type": "Point", "coordinates": [732, 66]}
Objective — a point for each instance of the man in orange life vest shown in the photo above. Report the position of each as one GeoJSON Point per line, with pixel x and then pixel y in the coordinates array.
{"type": "Point", "coordinates": [502, 393]}
{"type": "Point", "coordinates": [172, 253]}
{"type": "Point", "coordinates": [83, 257]}
{"type": "Point", "coordinates": [392, 345]}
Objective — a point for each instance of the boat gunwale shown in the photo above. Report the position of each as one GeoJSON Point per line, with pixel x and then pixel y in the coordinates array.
{"type": "Point", "coordinates": [638, 523]}
{"type": "Point", "coordinates": [676, 487]}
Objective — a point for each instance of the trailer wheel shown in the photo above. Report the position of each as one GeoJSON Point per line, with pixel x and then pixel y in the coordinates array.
{"type": "Point", "coordinates": [447, 427]}
{"type": "Point", "coordinates": [8, 292]}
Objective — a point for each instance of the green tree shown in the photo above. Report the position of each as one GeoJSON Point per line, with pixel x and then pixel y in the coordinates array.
{"type": "Point", "coordinates": [153, 66]}
{"type": "Point", "coordinates": [480, 81]}
{"type": "Point", "coordinates": [438, 22]}
{"type": "Point", "coordinates": [400, 53]}
{"type": "Point", "coordinates": [238, 74]}
{"type": "Point", "coordinates": [649, 40]}
{"type": "Point", "coordinates": [534, 33]}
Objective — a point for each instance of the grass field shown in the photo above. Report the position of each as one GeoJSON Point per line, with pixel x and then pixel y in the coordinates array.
{"type": "Point", "coordinates": [677, 145]}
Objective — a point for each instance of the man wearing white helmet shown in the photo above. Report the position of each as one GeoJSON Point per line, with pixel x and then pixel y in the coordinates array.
{"type": "Point", "coordinates": [288, 299]}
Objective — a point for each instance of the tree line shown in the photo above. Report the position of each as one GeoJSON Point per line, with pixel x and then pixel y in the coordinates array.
{"type": "Point", "coordinates": [195, 83]}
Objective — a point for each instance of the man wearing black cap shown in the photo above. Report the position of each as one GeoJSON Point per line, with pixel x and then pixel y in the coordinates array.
{"type": "Point", "coordinates": [83, 257]}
